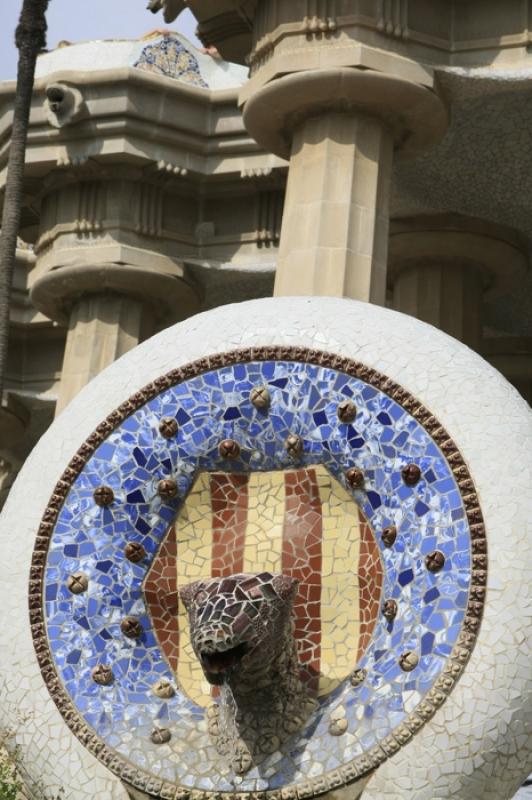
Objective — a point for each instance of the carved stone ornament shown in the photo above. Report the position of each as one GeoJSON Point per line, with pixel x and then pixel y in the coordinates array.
{"type": "Point", "coordinates": [63, 105]}
{"type": "Point", "coordinates": [139, 537]}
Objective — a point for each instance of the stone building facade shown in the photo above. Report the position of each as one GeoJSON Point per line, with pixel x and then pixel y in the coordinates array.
{"type": "Point", "coordinates": [373, 150]}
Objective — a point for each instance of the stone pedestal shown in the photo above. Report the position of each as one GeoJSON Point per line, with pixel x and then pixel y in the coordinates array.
{"type": "Point", "coordinates": [441, 267]}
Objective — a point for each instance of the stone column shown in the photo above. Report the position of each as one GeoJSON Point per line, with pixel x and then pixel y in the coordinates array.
{"type": "Point", "coordinates": [339, 126]}
{"type": "Point", "coordinates": [109, 308]}
{"type": "Point", "coordinates": [107, 268]}
{"type": "Point", "coordinates": [443, 266]}
{"type": "Point", "coordinates": [101, 329]}
{"type": "Point", "coordinates": [335, 226]}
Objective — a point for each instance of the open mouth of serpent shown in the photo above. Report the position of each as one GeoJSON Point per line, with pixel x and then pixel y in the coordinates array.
{"type": "Point", "coordinates": [216, 665]}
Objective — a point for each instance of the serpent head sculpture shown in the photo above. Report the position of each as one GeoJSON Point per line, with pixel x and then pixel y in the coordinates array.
{"type": "Point", "coordinates": [241, 633]}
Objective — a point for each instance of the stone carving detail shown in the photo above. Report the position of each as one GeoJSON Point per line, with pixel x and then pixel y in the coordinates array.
{"type": "Point", "coordinates": [320, 19]}
{"type": "Point", "coordinates": [393, 18]}
{"type": "Point", "coordinates": [89, 216]}
{"type": "Point", "coordinates": [269, 216]}
{"type": "Point", "coordinates": [64, 104]}
{"type": "Point", "coordinates": [256, 172]}
{"type": "Point", "coordinates": [241, 633]}
{"type": "Point", "coordinates": [150, 210]}
{"type": "Point", "coordinates": [171, 8]}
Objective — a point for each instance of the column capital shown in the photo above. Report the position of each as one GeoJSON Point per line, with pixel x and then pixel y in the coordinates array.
{"type": "Point", "coordinates": [414, 113]}
{"type": "Point", "coordinates": [169, 292]}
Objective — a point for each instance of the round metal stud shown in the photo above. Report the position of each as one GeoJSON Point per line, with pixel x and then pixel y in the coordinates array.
{"type": "Point", "coordinates": [163, 689]}
{"type": "Point", "coordinates": [103, 496]}
{"type": "Point", "coordinates": [346, 411]}
{"type": "Point", "coordinates": [389, 610]}
{"type": "Point", "coordinates": [411, 474]}
{"type": "Point", "coordinates": [294, 445]}
{"type": "Point", "coordinates": [160, 736]}
{"type": "Point", "coordinates": [134, 552]}
{"type": "Point", "coordinates": [358, 676]}
{"type": "Point", "coordinates": [338, 727]}
{"type": "Point", "coordinates": [409, 661]}
{"type": "Point", "coordinates": [355, 478]}
{"type": "Point", "coordinates": [167, 489]}
{"type": "Point", "coordinates": [77, 583]}
{"type": "Point", "coordinates": [229, 448]}
{"type": "Point", "coordinates": [168, 427]}
{"type": "Point", "coordinates": [435, 561]}
{"type": "Point", "coordinates": [389, 535]}
{"type": "Point", "coordinates": [131, 627]}
{"type": "Point", "coordinates": [103, 675]}
{"type": "Point", "coordinates": [260, 397]}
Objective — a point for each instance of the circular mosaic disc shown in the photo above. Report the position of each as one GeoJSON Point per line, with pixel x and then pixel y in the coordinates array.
{"type": "Point", "coordinates": [374, 512]}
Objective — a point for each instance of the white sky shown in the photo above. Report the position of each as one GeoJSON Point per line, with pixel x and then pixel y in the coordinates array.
{"type": "Point", "coordinates": [79, 20]}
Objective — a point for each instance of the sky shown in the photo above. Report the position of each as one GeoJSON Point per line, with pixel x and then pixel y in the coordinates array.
{"type": "Point", "coordinates": [79, 20]}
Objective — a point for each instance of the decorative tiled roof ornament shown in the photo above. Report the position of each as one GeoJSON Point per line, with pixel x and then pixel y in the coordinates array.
{"type": "Point", "coordinates": [168, 56]}
{"type": "Point", "coordinates": [171, 8]}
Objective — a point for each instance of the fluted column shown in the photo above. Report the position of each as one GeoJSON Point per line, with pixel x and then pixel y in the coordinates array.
{"type": "Point", "coordinates": [443, 266]}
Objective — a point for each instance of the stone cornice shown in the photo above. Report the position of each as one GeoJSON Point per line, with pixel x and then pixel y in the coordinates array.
{"type": "Point", "coordinates": [451, 32]}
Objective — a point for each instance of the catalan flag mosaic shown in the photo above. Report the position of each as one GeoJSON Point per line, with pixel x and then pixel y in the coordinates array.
{"type": "Point", "coordinates": [262, 466]}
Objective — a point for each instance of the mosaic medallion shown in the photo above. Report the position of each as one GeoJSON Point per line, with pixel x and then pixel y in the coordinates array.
{"type": "Point", "coordinates": [272, 465]}
{"type": "Point", "coordinates": [168, 56]}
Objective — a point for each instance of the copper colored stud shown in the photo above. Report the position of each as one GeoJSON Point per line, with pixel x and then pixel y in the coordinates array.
{"type": "Point", "coordinates": [103, 496]}
{"type": "Point", "coordinates": [160, 736]}
{"type": "Point", "coordinates": [168, 427]}
{"type": "Point", "coordinates": [163, 689]}
{"type": "Point", "coordinates": [435, 561]}
{"type": "Point", "coordinates": [229, 448]}
{"type": "Point", "coordinates": [409, 661]}
{"type": "Point", "coordinates": [260, 397]}
{"type": "Point", "coordinates": [389, 610]}
{"type": "Point", "coordinates": [355, 477]}
{"type": "Point", "coordinates": [167, 489]}
{"type": "Point", "coordinates": [294, 445]}
{"type": "Point", "coordinates": [131, 627]}
{"type": "Point", "coordinates": [411, 474]}
{"type": "Point", "coordinates": [103, 675]}
{"type": "Point", "coordinates": [389, 535]}
{"type": "Point", "coordinates": [77, 583]}
{"type": "Point", "coordinates": [134, 552]}
{"type": "Point", "coordinates": [346, 411]}
{"type": "Point", "coordinates": [358, 676]}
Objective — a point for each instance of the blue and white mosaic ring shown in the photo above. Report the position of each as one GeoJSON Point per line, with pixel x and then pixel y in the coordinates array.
{"type": "Point", "coordinates": [415, 480]}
